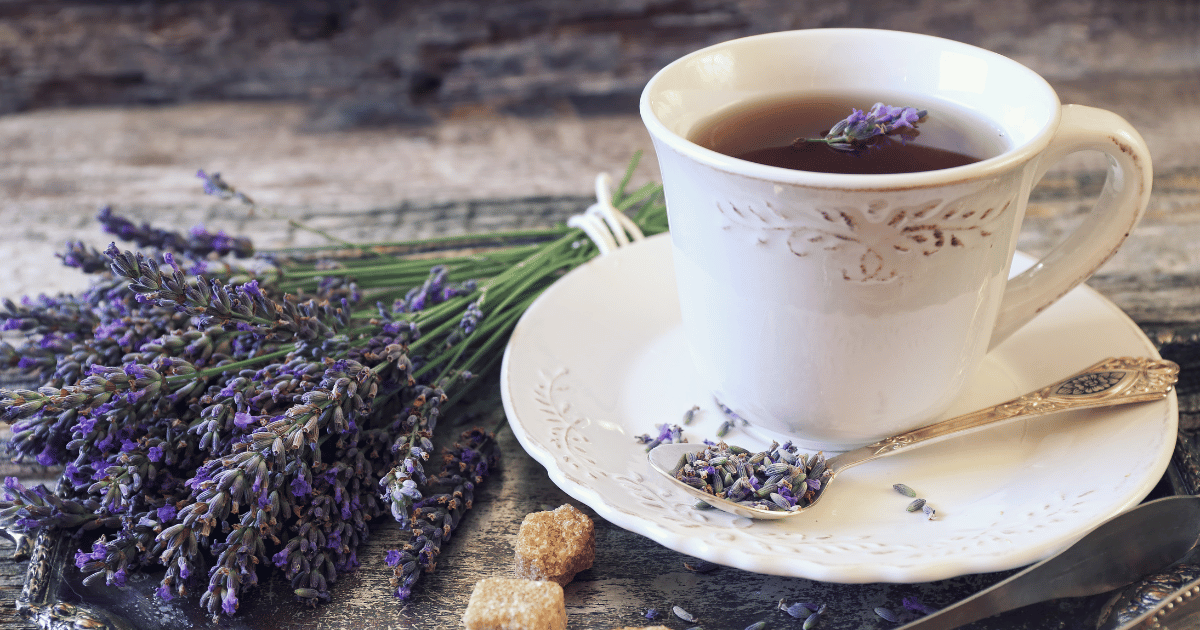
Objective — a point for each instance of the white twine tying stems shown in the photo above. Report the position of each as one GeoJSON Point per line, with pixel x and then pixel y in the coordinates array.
{"type": "Point", "coordinates": [603, 222]}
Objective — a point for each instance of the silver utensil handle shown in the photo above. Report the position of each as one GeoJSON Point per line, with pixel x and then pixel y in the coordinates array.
{"type": "Point", "coordinates": [1119, 551]}
{"type": "Point", "coordinates": [1114, 381]}
{"type": "Point", "coordinates": [1180, 610]}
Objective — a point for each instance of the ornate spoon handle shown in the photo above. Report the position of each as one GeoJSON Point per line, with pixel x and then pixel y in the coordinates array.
{"type": "Point", "coordinates": [1110, 382]}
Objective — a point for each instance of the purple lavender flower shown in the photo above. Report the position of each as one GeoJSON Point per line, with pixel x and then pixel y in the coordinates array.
{"type": "Point", "coordinates": [243, 420]}
{"type": "Point", "coordinates": [198, 242]}
{"type": "Point", "coordinates": [470, 318]}
{"type": "Point", "coordinates": [300, 487]}
{"type": "Point", "coordinates": [861, 131]}
{"type": "Point", "coordinates": [667, 433]}
{"type": "Point", "coordinates": [915, 605]}
{"type": "Point", "coordinates": [84, 258]}
{"type": "Point", "coordinates": [217, 187]}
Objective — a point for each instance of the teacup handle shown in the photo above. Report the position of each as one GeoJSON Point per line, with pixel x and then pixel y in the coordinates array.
{"type": "Point", "coordinates": [1122, 202]}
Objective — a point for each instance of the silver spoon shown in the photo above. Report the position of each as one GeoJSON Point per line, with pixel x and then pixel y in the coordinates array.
{"type": "Point", "coordinates": [1111, 382]}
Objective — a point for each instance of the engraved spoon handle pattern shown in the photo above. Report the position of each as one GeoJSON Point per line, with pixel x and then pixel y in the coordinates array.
{"type": "Point", "coordinates": [1113, 381]}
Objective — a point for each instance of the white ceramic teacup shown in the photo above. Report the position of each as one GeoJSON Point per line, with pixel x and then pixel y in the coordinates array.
{"type": "Point", "coordinates": [839, 309]}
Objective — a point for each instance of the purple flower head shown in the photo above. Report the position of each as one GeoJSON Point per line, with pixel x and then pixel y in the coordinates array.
{"type": "Point", "coordinates": [46, 458]}
{"type": "Point", "coordinates": [27, 363]}
{"type": "Point", "coordinates": [155, 454]}
{"type": "Point", "coordinates": [915, 605]}
{"type": "Point", "coordinates": [471, 318]}
{"type": "Point", "coordinates": [243, 419]}
{"type": "Point", "coordinates": [166, 513]}
{"type": "Point", "coordinates": [251, 288]}
{"type": "Point", "coordinates": [11, 323]}
{"type": "Point", "coordinates": [169, 258]}
{"type": "Point", "coordinates": [73, 473]}
{"type": "Point", "coordinates": [97, 370]}
{"type": "Point", "coordinates": [222, 242]}
{"type": "Point", "coordinates": [229, 390]}
{"type": "Point", "coordinates": [202, 474]}
{"type": "Point", "coordinates": [393, 557]}
{"type": "Point", "coordinates": [213, 184]}
{"type": "Point", "coordinates": [164, 591]}
{"type": "Point", "coordinates": [300, 487]}
{"type": "Point", "coordinates": [82, 558]}
{"type": "Point", "coordinates": [281, 559]}
{"type": "Point", "coordinates": [229, 601]}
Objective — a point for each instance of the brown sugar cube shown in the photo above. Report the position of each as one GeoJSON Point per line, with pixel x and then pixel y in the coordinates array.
{"type": "Point", "coordinates": [510, 604]}
{"type": "Point", "coordinates": [555, 545]}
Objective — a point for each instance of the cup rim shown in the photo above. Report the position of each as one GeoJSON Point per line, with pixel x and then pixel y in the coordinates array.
{"type": "Point", "coordinates": [990, 167]}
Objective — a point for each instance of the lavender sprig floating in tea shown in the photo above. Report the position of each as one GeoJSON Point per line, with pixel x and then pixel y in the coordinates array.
{"type": "Point", "coordinates": [861, 131]}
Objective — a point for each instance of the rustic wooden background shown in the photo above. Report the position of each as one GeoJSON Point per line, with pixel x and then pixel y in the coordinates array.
{"type": "Point", "coordinates": [388, 120]}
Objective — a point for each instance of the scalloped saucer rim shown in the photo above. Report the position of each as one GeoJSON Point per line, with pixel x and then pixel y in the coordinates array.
{"type": "Point", "coordinates": [599, 358]}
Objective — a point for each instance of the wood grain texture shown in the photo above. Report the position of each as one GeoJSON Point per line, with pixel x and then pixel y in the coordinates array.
{"type": "Point", "coordinates": [631, 575]}
{"type": "Point", "coordinates": [481, 169]}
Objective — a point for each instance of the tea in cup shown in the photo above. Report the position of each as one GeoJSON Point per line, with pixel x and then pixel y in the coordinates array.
{"type": "Point", "coordinates": [839, 297]}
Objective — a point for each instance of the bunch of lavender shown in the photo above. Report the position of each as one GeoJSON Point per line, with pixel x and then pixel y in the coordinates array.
{"type": "Point", "coordinates": [861, 131]}
{"type": "Point", "coordinates": [214, 424]}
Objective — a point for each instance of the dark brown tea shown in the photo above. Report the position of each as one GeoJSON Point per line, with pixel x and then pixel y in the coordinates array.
{"type": "Point", "coordinates": [764, 133]}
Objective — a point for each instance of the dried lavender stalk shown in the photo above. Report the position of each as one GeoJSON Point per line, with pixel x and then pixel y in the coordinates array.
{"type": "Point", "coordinates": [438, 511]}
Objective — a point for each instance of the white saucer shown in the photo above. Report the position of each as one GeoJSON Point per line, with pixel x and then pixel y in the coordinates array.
{"type": "Point", "coordinates": [600, 358]}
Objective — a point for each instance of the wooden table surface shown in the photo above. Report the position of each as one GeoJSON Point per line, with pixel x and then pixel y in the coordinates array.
{"type": "Point", "coordinates": [632, 573]}
{"type": "Point", "coordinates": [505, 174]}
